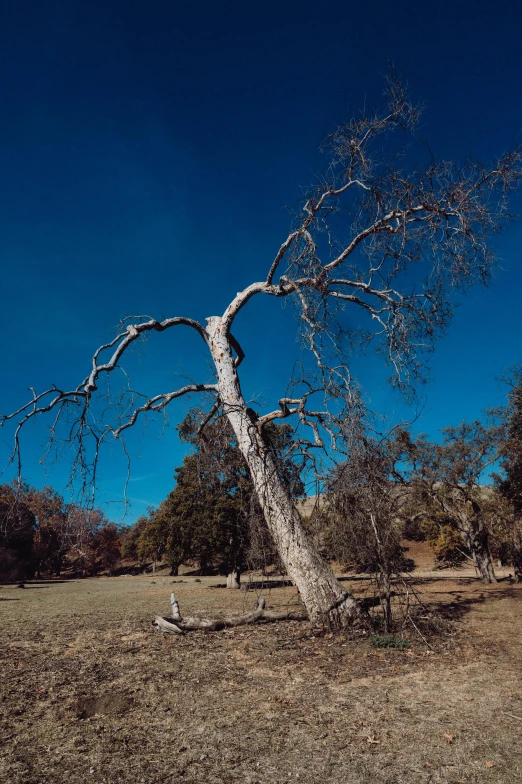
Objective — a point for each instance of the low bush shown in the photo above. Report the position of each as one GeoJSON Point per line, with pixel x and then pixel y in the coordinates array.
{"type": "Point", "coordinates": [389, 641]}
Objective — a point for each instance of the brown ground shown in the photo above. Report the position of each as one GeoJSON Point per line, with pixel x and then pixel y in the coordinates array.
{"type": "Point", "coordinates": [91, 693]}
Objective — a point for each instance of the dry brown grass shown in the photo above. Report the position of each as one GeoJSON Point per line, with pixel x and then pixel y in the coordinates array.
{"type": "Point", "coordinates": [91, 693]}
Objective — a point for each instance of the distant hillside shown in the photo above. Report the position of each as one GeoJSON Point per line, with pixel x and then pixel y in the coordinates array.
{"type": "Point", "coordinates": [420, 552]}
{"type": "Point", "coordinates": [307, 505]}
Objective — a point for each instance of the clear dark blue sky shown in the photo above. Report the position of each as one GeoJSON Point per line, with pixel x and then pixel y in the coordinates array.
{"type": "Point", "coordinates": [149, 150]}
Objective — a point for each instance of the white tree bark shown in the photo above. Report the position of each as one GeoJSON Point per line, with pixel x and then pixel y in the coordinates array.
{"type": "Point", "coordinates": [476, 540]}
{"type": "Point", "coordinates": [178, 625]}
{"type": "Point", "coordinates": [325, 599]}
{"type": "Point", "coordinates": [475, 536]}
{"type": "Point", "coordinates": [234, 579]}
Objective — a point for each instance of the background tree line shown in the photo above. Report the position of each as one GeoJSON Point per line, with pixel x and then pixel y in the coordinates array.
{"type": "Point", "coordinates": [212, 517]}
{"type": "Point", "coordinates": [41, 535]}
{"type": "Point", "coordinates": [397, 487]}
{"type": "Point", "coordinates": [390, 488]}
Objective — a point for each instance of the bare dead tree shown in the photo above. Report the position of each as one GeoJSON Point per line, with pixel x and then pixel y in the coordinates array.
{"type": "Point", "coordinates": [363, 513]}
{"type": "Point", "coordinates": [379, 241]}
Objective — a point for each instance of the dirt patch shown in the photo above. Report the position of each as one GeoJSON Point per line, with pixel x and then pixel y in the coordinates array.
{"type": "Point", "coordinates": [107, 705]}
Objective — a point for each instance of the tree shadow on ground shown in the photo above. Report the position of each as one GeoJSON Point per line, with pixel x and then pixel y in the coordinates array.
{"type": "Point", "coordinates": [259, 585]}
{"type": "Point", "coordinates": [455, 610]}
{"type": "Point", "coordinates": [442, 578]}
{"type": "Point", "coordinates": [43, 582]}
{"type": "Point", "coordinates": [50, 584]}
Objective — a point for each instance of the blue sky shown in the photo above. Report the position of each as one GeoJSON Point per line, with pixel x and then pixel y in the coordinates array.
{"type": "Point", "coordinates": [149, 153]}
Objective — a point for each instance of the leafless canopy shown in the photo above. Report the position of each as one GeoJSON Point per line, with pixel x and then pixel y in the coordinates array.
{"type": "Point", "coordinates": [372, 257]}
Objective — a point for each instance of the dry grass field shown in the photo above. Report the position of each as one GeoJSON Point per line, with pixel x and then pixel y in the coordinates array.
{"type": "Point", "coordinates": [90, 692]}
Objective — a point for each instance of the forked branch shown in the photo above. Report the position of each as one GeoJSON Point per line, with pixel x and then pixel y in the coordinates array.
{"type": "Point", "coordinates": [87, 423]}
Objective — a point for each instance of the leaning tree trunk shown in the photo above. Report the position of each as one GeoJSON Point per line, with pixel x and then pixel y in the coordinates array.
{"type": "Point", "coordinates": [325, 599]}
{"type": "Point", "coordinates": [517, 549]}
{"type": "Point", "coordinates": [476, 538]}
{"type": "Point", "coordinates": [517, 564]}
{"type": "Point", "coordinates": [387, 599]}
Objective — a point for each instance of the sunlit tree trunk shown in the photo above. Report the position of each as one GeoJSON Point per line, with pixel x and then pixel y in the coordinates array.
{"type": "Point", "coordinates": [325, 599]}
{"type": "Point", "coordinates": [234, 578]}
{"type": "Point", "coordinates": [517, 550]}
{"type": "Point", "coordinates": [476, 538]}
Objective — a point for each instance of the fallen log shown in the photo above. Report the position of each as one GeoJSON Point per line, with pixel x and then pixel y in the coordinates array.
{"type": "Point", "coordinates": [176, 624]}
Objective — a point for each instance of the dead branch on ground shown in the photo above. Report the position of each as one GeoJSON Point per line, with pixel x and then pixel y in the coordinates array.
{"type": "Point", "coordinates": [178, 625]}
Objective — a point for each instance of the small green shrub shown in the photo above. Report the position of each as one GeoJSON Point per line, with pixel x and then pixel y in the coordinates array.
{"type": "Point", "coordinates": [389, 641]}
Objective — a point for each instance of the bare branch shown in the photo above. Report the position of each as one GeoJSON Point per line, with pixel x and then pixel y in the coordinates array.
{"type": "Point", "coordinates": [85, 426]}
{"type": "Point", "coordinates": [177, 624]}
{"type": "Point", "coordinates": [239, 351]}
{"type": "Point", "coordinates": [159, 402]}
{"type": "Point", "coordinates": [213, 411]}
{"type": "Point", "coordinates": [132, 333]}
